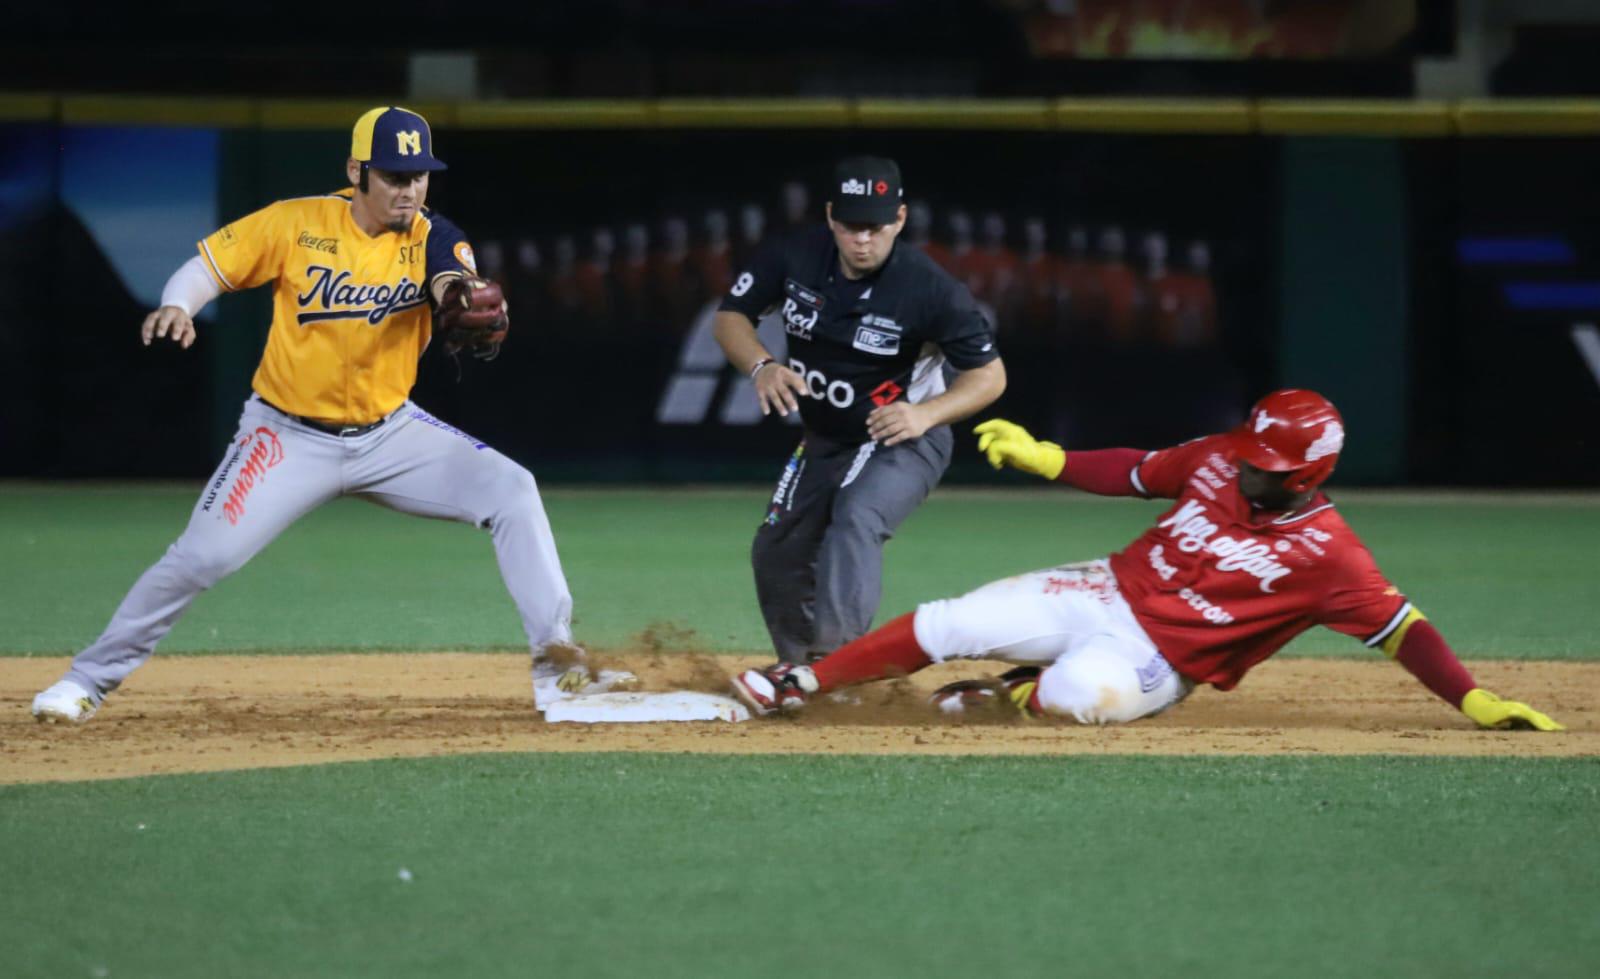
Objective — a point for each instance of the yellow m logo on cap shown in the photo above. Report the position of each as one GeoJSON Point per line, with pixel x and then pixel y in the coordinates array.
{"type": "Point", "coordinates": [409, 143]}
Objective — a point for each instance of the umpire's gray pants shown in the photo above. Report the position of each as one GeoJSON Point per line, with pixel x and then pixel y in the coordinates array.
{"type": "Point", "coordinates": [818, 556]}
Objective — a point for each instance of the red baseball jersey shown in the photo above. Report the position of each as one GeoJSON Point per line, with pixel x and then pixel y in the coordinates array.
{"type": "Point", "coordinates": [1219, 586]}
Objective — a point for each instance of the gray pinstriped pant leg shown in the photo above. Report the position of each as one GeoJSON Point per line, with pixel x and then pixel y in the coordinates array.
{"type": "Point", "coordinates": [818, 557]}
{"type": "Point", "coordinates": [867, 510]}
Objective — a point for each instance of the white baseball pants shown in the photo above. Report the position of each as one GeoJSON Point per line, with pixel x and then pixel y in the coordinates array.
{"type": "Point", "coordinates": [1102, 667]}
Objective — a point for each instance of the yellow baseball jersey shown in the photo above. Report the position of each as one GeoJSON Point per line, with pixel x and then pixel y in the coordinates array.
{"type": "Point", "coordinates": [351, 312]}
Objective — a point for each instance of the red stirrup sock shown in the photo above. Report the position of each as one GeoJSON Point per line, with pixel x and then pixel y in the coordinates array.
{"type": "Point", "coordinates": [889, 651]}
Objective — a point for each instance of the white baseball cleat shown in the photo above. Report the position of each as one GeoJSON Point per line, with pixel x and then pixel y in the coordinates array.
{"type": "Point", "coordinates": [64, 702]}
{"type": "Point", "coordinates": [553, 684]}
{"type": "Point", "coordinates": [783, 687]}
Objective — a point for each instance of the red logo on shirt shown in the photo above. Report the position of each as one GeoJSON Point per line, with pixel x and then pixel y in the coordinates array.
{"type": "Point", "coordinates": [887, 393]}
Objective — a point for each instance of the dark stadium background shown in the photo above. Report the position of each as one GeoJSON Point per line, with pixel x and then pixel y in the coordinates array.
{"type": "Point", "coordinates": [1434, 285]}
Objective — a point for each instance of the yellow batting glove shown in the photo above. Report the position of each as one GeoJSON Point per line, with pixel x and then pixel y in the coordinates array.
{"type": "Point", "coordinates": [1007, 443]}
{"type": "Point", "coordinates": [1490, 711]}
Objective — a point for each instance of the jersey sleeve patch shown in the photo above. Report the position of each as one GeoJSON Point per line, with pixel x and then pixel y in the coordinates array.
{"type": "Point", "coordinates": [251, 251]}
{"type": "Point", "coordinates": [447, 249]}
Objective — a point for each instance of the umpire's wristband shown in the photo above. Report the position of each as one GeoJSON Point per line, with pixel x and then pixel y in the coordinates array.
{"type": "Point", "coordinates": [756, 369]}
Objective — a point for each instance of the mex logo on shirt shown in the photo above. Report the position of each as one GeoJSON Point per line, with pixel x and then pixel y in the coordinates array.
{"type": "Point", "coordinates": [877, 335]}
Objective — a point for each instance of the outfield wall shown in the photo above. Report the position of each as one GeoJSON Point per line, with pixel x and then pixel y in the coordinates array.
{"type": "Point", "coordinates": [1151, 266]}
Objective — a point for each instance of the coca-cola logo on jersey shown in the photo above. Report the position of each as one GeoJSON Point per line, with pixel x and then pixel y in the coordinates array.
{"type": "Point", "coordinates": [1193, 532]}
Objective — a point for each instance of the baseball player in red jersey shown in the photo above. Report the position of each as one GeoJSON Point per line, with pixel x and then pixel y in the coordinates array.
{"type": "Point", "coordinates": [1250, 555]}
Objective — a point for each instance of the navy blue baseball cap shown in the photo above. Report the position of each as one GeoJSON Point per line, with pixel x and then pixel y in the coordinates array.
{"type": "Point", "coordinates": [866, 190]}
{"type": "Point", "coordinates": [392, 138]}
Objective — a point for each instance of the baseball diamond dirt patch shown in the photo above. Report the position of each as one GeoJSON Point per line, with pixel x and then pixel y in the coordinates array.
{"type": "Point", "coordinates": [190, 714]}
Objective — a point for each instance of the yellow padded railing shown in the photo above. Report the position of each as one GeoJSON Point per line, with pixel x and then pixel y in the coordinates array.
{"type": "Point", "coordinates": [1350, 117]}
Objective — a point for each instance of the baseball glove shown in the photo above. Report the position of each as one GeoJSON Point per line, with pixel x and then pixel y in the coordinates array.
{"type": "Point", "coordinates": [472, 316]}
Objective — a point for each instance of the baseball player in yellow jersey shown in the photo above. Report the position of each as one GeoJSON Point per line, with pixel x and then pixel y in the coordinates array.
{"type": "Point", "coordinates": [357, 278]}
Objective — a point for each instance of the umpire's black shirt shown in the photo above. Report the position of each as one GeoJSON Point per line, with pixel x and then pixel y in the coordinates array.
{"type": "Point", "coordinates": [861, 343]}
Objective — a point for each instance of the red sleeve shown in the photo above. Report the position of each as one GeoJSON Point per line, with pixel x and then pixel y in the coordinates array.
{"type": "Point", "coordinates": [1163, 474]}
{"type": "Point", "coordinates": [1361, 602]}
{"type": "Point", "coordinates": [1426, 656]}
{"type": "Point", "coordinates": [1106, 472]}
{"type": "Point", "coordinates": [1357, 600]}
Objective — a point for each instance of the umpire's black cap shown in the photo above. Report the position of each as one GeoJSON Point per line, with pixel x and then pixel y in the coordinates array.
{"type": "Point", "coordinates": [866, 190]}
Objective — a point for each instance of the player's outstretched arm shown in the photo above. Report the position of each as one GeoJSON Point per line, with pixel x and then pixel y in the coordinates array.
{"type": "Point", "coordinates": [1006, 443]}
{"type": "Point", "coordinates": [1426, 656]}
{"type": "Point", "coordinates": [1103, 472]}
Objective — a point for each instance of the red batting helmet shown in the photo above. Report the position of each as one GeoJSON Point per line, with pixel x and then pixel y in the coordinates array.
{"type": "Point", "coordinates": [1292, 431]}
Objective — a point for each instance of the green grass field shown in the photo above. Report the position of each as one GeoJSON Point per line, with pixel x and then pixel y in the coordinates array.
{"type": "Point", "coordinates": [1501, 579]}
{"type": "Point", "coordinates": [644, 865]}
{"type": "Point", "coordinates": [664, 865]}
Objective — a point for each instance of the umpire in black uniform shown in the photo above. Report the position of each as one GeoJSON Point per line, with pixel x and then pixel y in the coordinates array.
{"type": "Point", "coordinates": [871, 326]}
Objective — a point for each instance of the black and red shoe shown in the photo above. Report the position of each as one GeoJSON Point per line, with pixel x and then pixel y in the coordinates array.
{"type": "Point", "coordinates": [1011, 690]}
{"type": "Point", "coordinates": [783, 687]}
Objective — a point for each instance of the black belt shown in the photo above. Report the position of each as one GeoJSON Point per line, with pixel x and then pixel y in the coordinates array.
{"type": "Point", "coordinates": [342, 431]}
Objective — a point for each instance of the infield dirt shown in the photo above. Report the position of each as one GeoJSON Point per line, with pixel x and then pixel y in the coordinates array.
{"type": "Point", "coordinates": [213, 713]}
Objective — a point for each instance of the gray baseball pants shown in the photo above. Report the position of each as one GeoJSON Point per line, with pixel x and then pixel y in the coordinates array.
{"type": "Point", "coordinates": [818, 556]}
{"type": "Point", "coordinates": [279, 469]}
